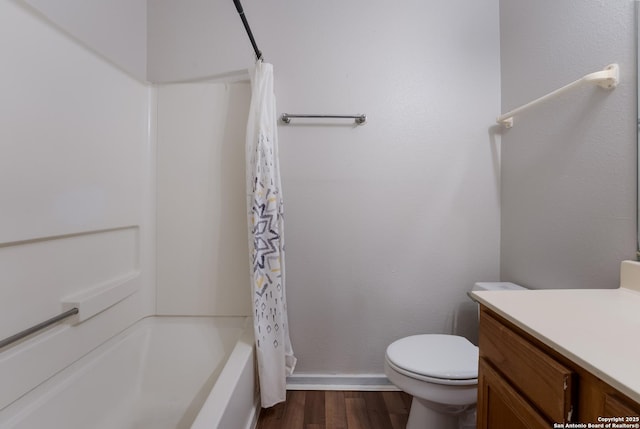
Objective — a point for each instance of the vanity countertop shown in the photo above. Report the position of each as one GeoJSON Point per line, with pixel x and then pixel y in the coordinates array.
{"type": "Point", "coordinates": [598, 329]}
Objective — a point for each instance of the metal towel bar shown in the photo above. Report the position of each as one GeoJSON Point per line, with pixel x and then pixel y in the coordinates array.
{"type": "Point", "coordinates": [360, 119]}
{"type": "Point", "coordinates": [22, 334]}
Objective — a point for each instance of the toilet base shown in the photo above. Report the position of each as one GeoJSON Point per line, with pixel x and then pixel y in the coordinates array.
{"type": "Point", "coordinates": [423, 416]}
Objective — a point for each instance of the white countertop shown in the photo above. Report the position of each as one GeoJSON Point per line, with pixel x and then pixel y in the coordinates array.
{"type": "Point", "coordinates": [598, 329]}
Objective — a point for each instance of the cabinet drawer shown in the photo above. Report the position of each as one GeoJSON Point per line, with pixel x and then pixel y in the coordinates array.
{"type": "Point", "coordinates": [543, 381]}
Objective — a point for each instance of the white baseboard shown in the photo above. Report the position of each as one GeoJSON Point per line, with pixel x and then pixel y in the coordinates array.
{"type": "Point", "coordinates": [358, 382]}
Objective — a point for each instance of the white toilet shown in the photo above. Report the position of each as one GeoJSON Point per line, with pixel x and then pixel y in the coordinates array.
{"type": "Point", "coordinates": [441, 373]}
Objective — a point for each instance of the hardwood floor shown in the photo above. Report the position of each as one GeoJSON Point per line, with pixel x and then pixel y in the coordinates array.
{"type": "Point", "coordinates": [313, 409]}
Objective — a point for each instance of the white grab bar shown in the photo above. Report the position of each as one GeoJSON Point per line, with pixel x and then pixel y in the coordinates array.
{"type": "Point", "coordinates": [607, 78]}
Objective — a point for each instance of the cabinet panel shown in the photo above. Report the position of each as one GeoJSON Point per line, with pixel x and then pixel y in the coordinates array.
{"type": "Point", "coordinates": [501, 406]}
{"type": "Point", "coordinates": [614, 407]}
{"type": "Point", "coordinates": [598, 399]}
{"type": "Point", "coordinates": [546, 383]}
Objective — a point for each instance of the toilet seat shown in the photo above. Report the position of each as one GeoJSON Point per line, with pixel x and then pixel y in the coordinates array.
{"type": "Point", "coordinates": [441, 359]}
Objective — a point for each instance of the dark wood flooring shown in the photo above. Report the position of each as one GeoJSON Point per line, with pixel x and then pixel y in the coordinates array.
{"type": "Point", "coordinates": [314, 409]}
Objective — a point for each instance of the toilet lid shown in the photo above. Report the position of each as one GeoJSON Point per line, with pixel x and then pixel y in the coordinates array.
{"type": "Point", "coordinates": [438, 356]}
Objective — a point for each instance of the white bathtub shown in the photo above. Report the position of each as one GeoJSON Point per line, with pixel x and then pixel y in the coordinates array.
{"type": "Point", "coordinates": [161, 373]}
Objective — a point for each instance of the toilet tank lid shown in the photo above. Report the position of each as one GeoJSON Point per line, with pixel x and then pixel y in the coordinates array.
{"type": "Point", "coordinates": [497, 286]}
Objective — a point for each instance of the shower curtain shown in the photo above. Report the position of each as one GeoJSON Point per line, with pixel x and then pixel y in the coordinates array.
{"type": "Point", "coordinates": [266, 240]}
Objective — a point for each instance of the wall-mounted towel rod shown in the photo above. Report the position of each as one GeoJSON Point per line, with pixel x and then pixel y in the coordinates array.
{"type": "Point", "coordinates": [22, 334]}
{"type": "Point", "coordinates": [607, 78]}
{"type": "Point", "coordinates": [360, 119]}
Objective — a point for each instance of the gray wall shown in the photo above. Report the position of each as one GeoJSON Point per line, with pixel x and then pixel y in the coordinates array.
{"type": "Point", "coordinates": [568, 166]}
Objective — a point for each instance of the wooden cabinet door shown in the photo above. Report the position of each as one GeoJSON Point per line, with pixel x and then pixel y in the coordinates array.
{"type": "Point", "coordinates": [502, 407]}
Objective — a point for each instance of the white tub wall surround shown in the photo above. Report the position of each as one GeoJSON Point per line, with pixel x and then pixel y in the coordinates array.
{"type": "Point", "coordinates": [80, 139]}
{"type": "Point", "coordinates": [201, 205]}
{"type": "Point", "coordinates": [68, 121]}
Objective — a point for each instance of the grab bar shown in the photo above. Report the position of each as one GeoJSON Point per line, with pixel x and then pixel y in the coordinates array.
{"type": "Point", "coordinates": [22, 334]}
{"type": "Point", "coordinates": [360, 119]}
{"type": "Point", "coordinates": [607, 79]}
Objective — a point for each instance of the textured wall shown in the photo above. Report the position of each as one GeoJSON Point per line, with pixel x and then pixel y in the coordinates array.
{"type": "Point", "coordinates": [569, 166]}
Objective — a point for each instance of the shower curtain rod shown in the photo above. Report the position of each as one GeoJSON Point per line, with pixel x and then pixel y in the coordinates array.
{"type": "Point", "coordinates": [246, 27]}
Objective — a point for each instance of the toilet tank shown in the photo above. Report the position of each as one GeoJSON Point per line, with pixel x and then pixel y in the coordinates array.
{"type": "Point", "coordinates": [466, 318]}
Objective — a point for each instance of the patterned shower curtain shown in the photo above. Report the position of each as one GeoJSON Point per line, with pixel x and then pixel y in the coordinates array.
{"type": "Point", "coordinates": [266, 240]}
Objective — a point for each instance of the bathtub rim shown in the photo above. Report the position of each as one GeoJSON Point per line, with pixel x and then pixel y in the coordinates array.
{"type": "Point", "coordinates": [241, 359]}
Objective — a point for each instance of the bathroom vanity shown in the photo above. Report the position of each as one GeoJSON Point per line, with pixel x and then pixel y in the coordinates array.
{"type": "Point", "coordinates": [551, 357]}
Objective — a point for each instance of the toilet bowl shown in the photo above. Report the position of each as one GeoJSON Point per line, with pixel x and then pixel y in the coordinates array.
{"type": "Point", "coordinates": [441, 373]}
